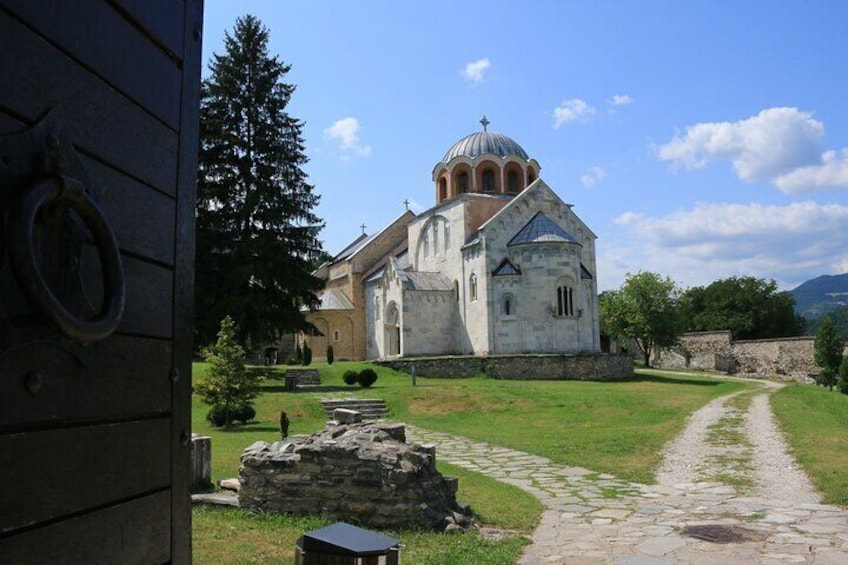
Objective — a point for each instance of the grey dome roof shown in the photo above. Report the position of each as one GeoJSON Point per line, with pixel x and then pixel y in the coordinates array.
{"type": "Point", "coordinates": [482, 142]}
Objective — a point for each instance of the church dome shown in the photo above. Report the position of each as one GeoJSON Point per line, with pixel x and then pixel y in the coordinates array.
{"type": "Point", "coordinates": [482, 142]}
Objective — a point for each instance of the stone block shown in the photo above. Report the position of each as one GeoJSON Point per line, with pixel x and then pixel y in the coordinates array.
{"type": "Point", "coordinates": [346, 416]}
{"type": "Point", "coordinates": [201, 463]}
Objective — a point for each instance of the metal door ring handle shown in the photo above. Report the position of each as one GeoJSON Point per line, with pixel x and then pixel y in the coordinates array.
{"type": "Point", "coordinates": [21, 230]}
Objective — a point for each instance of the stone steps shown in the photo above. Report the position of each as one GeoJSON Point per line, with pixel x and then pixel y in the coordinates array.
{"type": "Point", "coordinates": [370, 408]}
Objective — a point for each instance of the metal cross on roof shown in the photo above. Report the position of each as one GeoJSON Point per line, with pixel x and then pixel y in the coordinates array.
{"type": "Point", "coordinates": [406, 203]}
{"type": "Point", "coordinates": [485, 123]}
{"type": "Point", "coordinates": [363, 228]}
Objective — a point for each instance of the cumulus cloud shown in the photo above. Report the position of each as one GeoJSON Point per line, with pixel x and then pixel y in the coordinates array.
{"type": "Point", "coordinates": [774, 142]}
{"type": "Point", "coordinates": [475, 70]}
{"type": "Point", "coordinates": [592, 176]}
{"type": "Point", "coordinates": [713, 241]}
{"type": "Point", "coordinates": [572, 110]}
{"type": "Point", "coordinates": [346, 133]}
{"type": "Point", "coordinates": [830, 173]}
{"type": "Point", "coordinates": [621, 100]}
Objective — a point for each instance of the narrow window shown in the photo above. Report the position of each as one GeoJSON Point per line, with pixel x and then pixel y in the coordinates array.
{"type": "Point", "coordinates": [443, 189]}
{"type": "Point", "coordinates": [447, 236]}
{"type": "Point", "coordinates": [426, 245]}
{"type": "Point", "coordinates": [508, 306]}
{"type": "Point", "coordinates": [435, 239]}
{"type": "Point", "coordinates": [463, 182]}
{"type": "Point", "coordinates": [376, 307]}
{"type": "Point", "coordinates": [512, 182]}
{"type": "Point", "coordinates": [560, 304]}
{"type": "Point", "coordinates": [337, 335]}
{"type": "Point", "coordinates": [456, 290]}
{"type": "Point", "coordinates": [488, 180]}
{"type": "Point", "coordinates": [472, 284]}
{"type": "Point", "coordinates": [565, 301]}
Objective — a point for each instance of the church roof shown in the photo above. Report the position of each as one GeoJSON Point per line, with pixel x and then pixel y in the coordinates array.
{"type": "Point", "coordinates": [506, 268]}
{"type": "Point", "coordinates": [584, 273]}
{"type": "Point", "coordinates": [541, 229]}
{"type": "Point", "coordinates": [482, 142]}
{"type": "Point", "coordinates": [417, 280]}
{"type": "Point", "coordinates": [334, 300]}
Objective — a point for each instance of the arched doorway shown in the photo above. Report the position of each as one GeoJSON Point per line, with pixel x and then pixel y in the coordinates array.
{"type": "Point", "coordinates": [392, 330]}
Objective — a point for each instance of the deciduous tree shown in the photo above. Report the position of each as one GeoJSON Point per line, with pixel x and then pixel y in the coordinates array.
{"type": "Point", "coordinates": [256, 229]}
{"type": "Point", "coordinates": [828, 353]}
{"type": "Point", "coordinates": [749, 307]}
{"type": "Point", "coordinates": [645, 309]}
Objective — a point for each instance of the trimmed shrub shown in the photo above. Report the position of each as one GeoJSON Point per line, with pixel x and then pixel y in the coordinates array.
{"type": "Point", "coordinates": [367, 377]}
{"type": "Point", "coordinates": [350, 377]}
{"type": "Point", "coordinates": [307, 355]}
{"type": "Point", "coordinates": [243, 413]}
{"type": "Point", "coordinates": [329, 355]}
{"type": "Point", "coordinates": [217, 416]}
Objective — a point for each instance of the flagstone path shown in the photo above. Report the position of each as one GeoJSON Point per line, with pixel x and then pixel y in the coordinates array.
{"type": "Point", "coordinates": [768, 513]}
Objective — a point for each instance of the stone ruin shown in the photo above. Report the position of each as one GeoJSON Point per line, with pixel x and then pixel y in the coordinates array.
{"type": "Point", "coordinates": [364, 473]}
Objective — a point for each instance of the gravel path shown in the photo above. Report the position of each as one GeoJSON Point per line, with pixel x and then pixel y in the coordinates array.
{"type": "Point", "coordinates": [742, 448]}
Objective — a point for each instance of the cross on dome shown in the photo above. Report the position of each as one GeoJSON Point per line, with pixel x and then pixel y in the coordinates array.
{"type": "Point", "coordinates": [485, 123]}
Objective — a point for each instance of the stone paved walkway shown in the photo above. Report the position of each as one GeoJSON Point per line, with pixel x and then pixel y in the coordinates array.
{"type": "Point", "coordinates": [593, 518]}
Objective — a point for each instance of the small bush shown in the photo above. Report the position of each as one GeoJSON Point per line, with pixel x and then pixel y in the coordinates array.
{"type": "Point", "coordinates": [329, 355]}
{"type": "Point", "coordinates": [350, 377]}
{"type": "Point", "coordinates": [243, 413]}
{"type": "Point", "coordinates": [217, 416]}
{"type": "Point", "coordinates": [367, 377]}
{"type": "Point", "coordinates": [307, 355]}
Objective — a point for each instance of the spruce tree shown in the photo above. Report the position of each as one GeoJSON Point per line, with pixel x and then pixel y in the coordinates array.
{"type": "Point", "coordinates": [256, 229]}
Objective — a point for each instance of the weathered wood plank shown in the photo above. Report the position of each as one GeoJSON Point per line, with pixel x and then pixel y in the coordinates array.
{"type": "Point", "coordinates": [120, 377]}
{"type": "Point", "coordinates": [162, 19]}
{"type": "Point", "coordinates": [97, 118]}
{"type": "Point", "coordinates": [184, 283]}
{"type": "Point", "coordinates": [135, 532]}
{"type": "Point", "coordinates": [54, 473]}
{"type": "Point", "coordinates": [149, 294]}
{"type": "Point", "coordinates": [95, 34]}
{"type": "Point", "coordinates": [140, 217]}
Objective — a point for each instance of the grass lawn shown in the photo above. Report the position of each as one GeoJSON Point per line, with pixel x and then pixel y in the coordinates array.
{"type": "Point", "coordinates": [815, 422]}
{"type": "Point", "coordinates": [617, 427]}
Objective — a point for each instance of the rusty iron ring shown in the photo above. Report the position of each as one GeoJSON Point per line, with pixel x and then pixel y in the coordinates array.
{"type": "Point", "coordinates": [21, 225]}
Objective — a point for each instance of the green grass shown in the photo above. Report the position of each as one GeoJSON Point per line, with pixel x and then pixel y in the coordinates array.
{"type": "Point", "coordinates": [815, 422]}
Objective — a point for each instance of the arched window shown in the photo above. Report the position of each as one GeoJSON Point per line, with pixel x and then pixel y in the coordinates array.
{"type": "Point", "coordinates": [488, 180]}
{"type": "Point", "coordinates": [435, 239]}
{"type": "Point", "coordinates": [337, 336]}
{"type": "Point", "coordinates": [472, 287]}
{"type": "Point", "coordinates": [508, 305]}
{"type": "Point", "coordinates": [447, 236]}
{"type": "Point", "coordinates": [463, 182]}
{"type": "Point", "coordinates": [531, 176]}
{"type": "Point", "coordinates": [512, 182]}
{"type": "Point", "coordinates": [565, 300]}
{"type": "Point", "coordinates": [443, 189]}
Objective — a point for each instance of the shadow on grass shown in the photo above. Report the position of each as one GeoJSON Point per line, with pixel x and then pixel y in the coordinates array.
{"type": "Point", "coordinates": [249, 428]}
{"type": "Point", "coordinates": [266, 372]}
{"type": "Point", "coordinates": [643, 378]}
{"type": "Point", "coordinates": [307, 388]}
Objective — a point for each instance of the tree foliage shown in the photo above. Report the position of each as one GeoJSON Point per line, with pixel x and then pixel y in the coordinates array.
{"type": "Point", "coordinates": [256, 230]}
{"type": "Point", "coordinates": [228, 386]}
{"type": "Point", "coordinates": [749, 307]}
{"type": "Point", "coordinates": [828, 353]}
{"type": "Point", "coordinates": [839, 319]}
{"type": "Point", "coordinates": [645, 309]}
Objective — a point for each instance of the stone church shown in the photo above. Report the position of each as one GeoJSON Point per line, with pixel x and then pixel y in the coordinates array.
{"type": "Point", "coordinates": [499, 265]}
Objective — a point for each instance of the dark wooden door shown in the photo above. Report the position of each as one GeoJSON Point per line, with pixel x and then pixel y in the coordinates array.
{"type": "Point", "coordinates": [98, 138]}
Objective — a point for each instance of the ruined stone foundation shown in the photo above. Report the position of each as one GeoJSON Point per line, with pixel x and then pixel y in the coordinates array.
{"type": "Point", "coordinates": [361, 473]}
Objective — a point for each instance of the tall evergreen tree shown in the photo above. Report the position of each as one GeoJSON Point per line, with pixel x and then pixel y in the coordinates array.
{"type": "Point", "coordinates": [256, 229]}
{"type": "Point", "coordinates": [828, 354]}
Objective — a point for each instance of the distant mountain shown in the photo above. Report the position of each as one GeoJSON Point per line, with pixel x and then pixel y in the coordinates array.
{"type": "Point", "coordinates": [821, 295]}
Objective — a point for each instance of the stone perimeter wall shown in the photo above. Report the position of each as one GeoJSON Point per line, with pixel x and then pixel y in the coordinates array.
{"type": "Point", "coordinates": [790, 358]}
{"type": "Point", "coordinates": [582, 367]}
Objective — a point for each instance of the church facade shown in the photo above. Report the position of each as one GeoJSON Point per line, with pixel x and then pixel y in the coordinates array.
{"type": "Point", "coordinates": [499, 265]}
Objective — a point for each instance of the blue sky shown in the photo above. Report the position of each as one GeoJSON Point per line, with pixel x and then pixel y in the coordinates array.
{"type": "Point", "coordinates": [699, 140]}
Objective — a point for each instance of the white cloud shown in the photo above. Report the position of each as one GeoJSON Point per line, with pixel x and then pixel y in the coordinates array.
{"type": "Point", "coordinates": [772, 143]}
{"type": "Point", "coordinates": [621, 100]}
{"type": "Point", "coordinates": [571, 110]}
{"type": "Point", "coordinates": [712, 241]}
{"type": "Point", "coordinates": [475, 70]}
{"type": "Point", "coordinates": [831, 173]}
{"type": "Point", "coordinates": [592, 176]}
{"type": "Point", "coordinates": [346, 133]}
